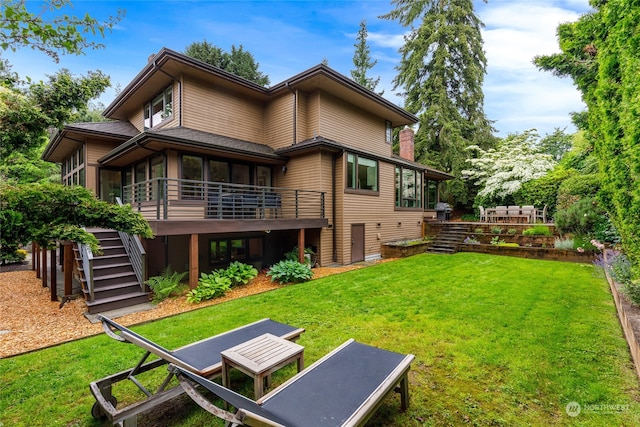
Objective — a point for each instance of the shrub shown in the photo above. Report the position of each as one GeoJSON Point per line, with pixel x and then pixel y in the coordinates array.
{"type": "Point", "coordinates": [511, 231]}
{"type": "Point", "coordinates": [239, 273]}
{"type": "Point", "coordinates": [563, 244]}
{"type": "Point", "coordinates": [537, 230]}
{"type": "Point", "coordinates": [509, 245]}
{"type": "Point", "coordinates": [580, 217]}
{"type": "Point", "coordinates": [479, 230]}
{"type": "Point", "coordinates": [16, 256]}
{"type": "Point", "coordinates": [209, 286]}
{"type": "Point", "coordinates": [496, 230]}
{"type": "Point", "coordinates": [166, 285]}
{"type": "Point", "coordinates": [288, 271]}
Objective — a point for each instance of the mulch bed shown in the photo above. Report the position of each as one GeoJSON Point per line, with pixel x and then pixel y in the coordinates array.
{"type": "Point", "coordinates": [30, 321]}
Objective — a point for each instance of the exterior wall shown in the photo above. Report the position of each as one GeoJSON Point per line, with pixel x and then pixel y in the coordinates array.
{"type": "Point", "coordinates": [347, 124]}
{"type": "Point", "coordinates": [137, 119]}
{"type": "Point", "coordinates": [310, 106]}
{"type": "Point", "coordinates": [94, 149]}
{"type": "Point", "coordinates": [219, 111]}
{"type": "Point", "coordinates": [382, 222]}
{"type": "Point", "coordinates": [279, 116]}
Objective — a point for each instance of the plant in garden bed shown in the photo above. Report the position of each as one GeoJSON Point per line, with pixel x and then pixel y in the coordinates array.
{"type": "Point", "coordinates": [497, 241]}
{"type": "Point", "coordinates": [496, 230]}
{"type": "Point", "coordinates": [292, 255]}
{"type": "Point", "coordinates": [537, 230]}
{"type": "Point", "coordinates": [239, 273]}
{"type": "Point", "coordinates": [479, 231]}
{"type": "Point", "coordinates": [209, 286]}
{"type": "Point", "coordinates": [511, 231]}
{"type": "Point", "coordinates": [166, 285]}
{"type": "Point", "coordinates": [471, 240]}
{"type": "Point", "coordinates": [565, 243]}
{"type": "Point", "coordinates": [288, 271]}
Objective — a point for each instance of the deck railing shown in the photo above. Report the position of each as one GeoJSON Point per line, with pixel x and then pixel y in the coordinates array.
{"type": "Point", "coordinates": [86, 255]}
{"type": "Point", "coordinates": [164, 198]}
{"type": "Point", "coordinates": [135, 251]}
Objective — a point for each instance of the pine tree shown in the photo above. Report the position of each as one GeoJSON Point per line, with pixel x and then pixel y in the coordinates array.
{"type": "Point", "coordinates": [441, 74]}
{"type": "Point", "coordinates": [362, 60]}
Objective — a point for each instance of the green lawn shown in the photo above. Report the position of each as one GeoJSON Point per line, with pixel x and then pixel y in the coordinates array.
{"type": "Point", "coordinates": [498, 341]}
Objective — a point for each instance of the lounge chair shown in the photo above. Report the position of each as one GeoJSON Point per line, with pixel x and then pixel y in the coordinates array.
{"type": "Point", "coordinates": [201, 357]}
{"type": "Point", "coordinates": [344, 388]}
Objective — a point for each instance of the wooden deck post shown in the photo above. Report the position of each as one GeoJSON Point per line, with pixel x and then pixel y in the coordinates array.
{"type": "Point", "coordinates": [301, 246]}
{"type": "Point", "coordinates": [68, 269]}
{"type": "Point", "coordinates": [35, 259]}
{"type": "Point", "coordinates": [53, 279]}
{"type": "Point", "coordinates": [34, 251]}
{"type": "Point", "coordinates": [193, 262]}
{"type": "Point", "coordinates": [43, 258]}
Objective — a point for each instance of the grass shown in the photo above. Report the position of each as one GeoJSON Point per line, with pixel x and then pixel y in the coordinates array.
{"type": "Point", "coordinates": [498, 341]}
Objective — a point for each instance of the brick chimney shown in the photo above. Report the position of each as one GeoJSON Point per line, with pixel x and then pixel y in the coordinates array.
{"type": "Point", "coordinates": [406, 144]}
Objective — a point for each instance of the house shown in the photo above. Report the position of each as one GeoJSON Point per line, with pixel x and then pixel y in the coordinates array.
{"type": "Point", "coordinates": [224, 169]}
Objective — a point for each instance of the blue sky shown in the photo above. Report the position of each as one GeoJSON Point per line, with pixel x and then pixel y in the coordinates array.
{"type": "Point", "coordinates": [287, 37]}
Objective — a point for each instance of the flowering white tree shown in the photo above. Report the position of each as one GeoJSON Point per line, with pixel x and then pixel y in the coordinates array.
{"type": "Point", "coordinates": [501, 171]}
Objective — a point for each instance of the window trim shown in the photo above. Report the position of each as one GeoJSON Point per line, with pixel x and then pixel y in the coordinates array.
{"type": "Point", "coordinates": [147, 109]}
{"type": "Point", "coordinates": [399, 202]}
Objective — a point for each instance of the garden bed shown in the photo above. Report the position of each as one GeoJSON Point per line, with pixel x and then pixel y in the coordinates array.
{"type": "Point", "coordinates": [551, 253]}
{"type": "Point", "coordinates": [528, 241]}
{"type": "Point", "coordinates": [404, 248]}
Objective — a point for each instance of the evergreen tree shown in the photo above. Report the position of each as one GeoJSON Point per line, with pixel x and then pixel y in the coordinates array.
{"type": "Point", "coordinates": [441, 74]}
{"type": "Point", "coordinates": [362, 61]}
{"type": "Point", "coordinates": [239, 61]}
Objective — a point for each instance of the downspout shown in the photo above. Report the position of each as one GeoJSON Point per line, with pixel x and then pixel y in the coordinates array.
{"type": "Point", "coordinates": [334, 212]}
{"type": "Point", "coordinates": [295, 113]}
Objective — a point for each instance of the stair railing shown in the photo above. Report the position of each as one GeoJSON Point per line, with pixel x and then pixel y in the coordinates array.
{"type": "Point", "coordinates": [137, 255]}
{"type": "Point", "coordinates": [86, 255]}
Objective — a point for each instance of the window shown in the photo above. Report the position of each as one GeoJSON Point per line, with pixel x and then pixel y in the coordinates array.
{"type": "Point", "coordinates": [430, 194]}
{"type": "Point", "coordinates": [160, 108]}
{"type": "Point", "coordinates": [408, 188]}
{"type": "Point", "coordinates": [193, 172]}
{"type": "Point", "coordinates": [362, 173]}
{"type": "Point", "coordinates": [73, 169]}
{"type": "Point", "coordinates": [224, 251]}
{"type": "Point", "coordinates": [388, 132]}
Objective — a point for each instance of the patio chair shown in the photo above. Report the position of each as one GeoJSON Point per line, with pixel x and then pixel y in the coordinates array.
{"type": "Point", "coordinates": [483, 214]}
{"type": "Point", "coordinates": [542, 215]}
{"type": "Point", "coordinates": [201, 357]}
{"type": "Point", "coordinates": [344, 388]}
{"type": "Point", "coordinates": [500, 213]}
{"type": "Point", "coordinates": [530, 213]}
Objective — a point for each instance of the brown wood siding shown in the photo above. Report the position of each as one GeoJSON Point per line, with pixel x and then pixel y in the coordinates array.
{"type": "Point", "coordinates": [352, 126]}
{"type": "Point", "coordinates": [95, 149]}
{"type": "Point", "coordinates": [302, 113]}
{"type": "Point", "coordinates": [382, 222]}
{"type": "Point", "coordinates": [137, 119]}
{"type": "Point", "coordinates": [279, 117]}
{"type": "Point", "coordinates": [311, 118]}
{"type": "Point", "coordinates": [325, 255]}
{"type": "Point", "coordinates": [216, 110]}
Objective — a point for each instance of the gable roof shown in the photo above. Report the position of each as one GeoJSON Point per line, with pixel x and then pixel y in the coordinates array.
{"type": "Point", "coordinates": [168, 65]}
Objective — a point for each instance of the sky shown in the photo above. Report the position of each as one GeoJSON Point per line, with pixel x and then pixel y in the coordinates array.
{"type": "Point", "coordinates": [288, 37]}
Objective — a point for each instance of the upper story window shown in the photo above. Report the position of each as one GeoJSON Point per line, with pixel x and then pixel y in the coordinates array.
{"type": "Point", "coordinates": [408, 188]}
{"type": "Point", "coordinates": [388, 132]}
{"type": "Point", "coordinates": [159, 109]}
{"type": "Point", "coordinates": [362, 173]}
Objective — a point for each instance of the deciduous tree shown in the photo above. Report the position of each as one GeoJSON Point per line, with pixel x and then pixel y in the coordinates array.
{"type": "Point", "coordinates": [50, 33]}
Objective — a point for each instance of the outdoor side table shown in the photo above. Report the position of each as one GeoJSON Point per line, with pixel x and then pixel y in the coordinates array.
{"type": "Point", "coordinates": [260, 357]}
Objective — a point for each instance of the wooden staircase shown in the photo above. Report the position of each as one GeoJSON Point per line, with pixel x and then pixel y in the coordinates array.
{"type": "Point", "coordinates": [115, 282]}
{"type": "Point", "coordinates": [448, 238]}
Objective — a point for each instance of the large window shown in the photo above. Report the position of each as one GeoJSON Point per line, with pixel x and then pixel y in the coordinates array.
{"type": "Point", "coordinates": [362, 173]}
{"type": "Point", "coordinates": [193, 171]}
{"type": "Point", "coordinates": [159, 109]}
{"type": "Point", "coordinates": [408, 188]}
{"type": "Point", "coordinates": [225, 251]}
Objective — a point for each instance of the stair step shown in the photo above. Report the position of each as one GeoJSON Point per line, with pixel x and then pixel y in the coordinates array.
{"type": "Point", "coordinates": [112, 303]}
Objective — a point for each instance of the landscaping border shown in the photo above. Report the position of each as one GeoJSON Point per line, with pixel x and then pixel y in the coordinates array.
{"type": "Point", "coordinates": [629, 316]}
